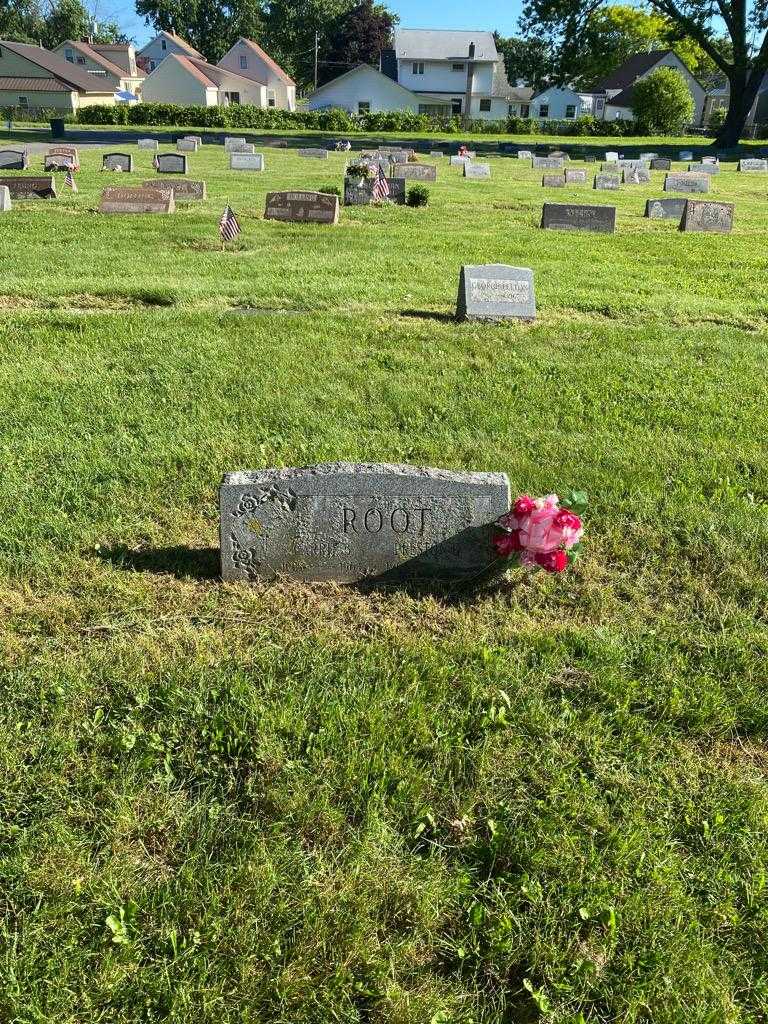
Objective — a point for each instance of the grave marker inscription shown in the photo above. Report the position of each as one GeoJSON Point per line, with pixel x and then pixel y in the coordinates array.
{"type": "Point", "coordinates": [306, 207]}
{"type": "Point", "coordinates": [495, 291]}
{"type": "Point", "coordinates": [578, 217]}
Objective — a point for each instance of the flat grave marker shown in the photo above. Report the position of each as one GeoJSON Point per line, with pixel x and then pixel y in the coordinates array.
{"type": "Point", "coordinates": [351, 522]}
{"type": "Point", "coordinates": [302, 207]}
{"type": "Point", "coordinates": [495, 291]}
{"type": "Point", "coordinates": [136, 200]}
{"type": "Point", "coordinates": [579, 217]}
{"type": "Point", "coordinates": [703, 215]}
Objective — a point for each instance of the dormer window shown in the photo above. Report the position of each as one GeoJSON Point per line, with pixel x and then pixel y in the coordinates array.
{"type": "Point", "coordinates": [69, 55]}
{"type": "Point", "coordinates": [243, 62]}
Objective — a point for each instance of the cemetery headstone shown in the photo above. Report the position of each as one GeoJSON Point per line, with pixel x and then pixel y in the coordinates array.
{"type": "Point", "coordinates": [5, 199]}
{"type": "Point", "coordinates": [13, 160]}
{"type": "Point", "coordinates": [524, 154]}
{"type": "Point", "coordinates": [477, 170]}
{"type": "Point", "coordinates": [665, 209]}
{"type": "Point", "coordinates": [611, 158]}
{"type": "Point", "coordinates": [232, 144]}
{"type": "Point", "coordinates": [547, 163]}
{"type": "Point", "coordinates": [685, 154]}
{"type": "Point", "coordinates": [710, 159]}
{"type": "Point", "coordinates": [649, 156]}
{"type": "Point", "coordinates": [136, 200]}
{"type": "Point", "coordinates": [705, 167]}
{"type": "Point", "coordinates": [494, 291]}
{"type": "Point", "coordinates": [607, 181]}
{"type": "Point", "coordinates": [436, 153]}
{"type": "Point", "coordinates": [117, 162]}
{"type": "Point", "coordinates": [171, 163]}
{"type": "Point", "coordinates": [308, 207]}
{"type": "Point", "coordinates": [359, 191]}
{"type": "Point", "coordinates": [186, 145]}
{"type": "Point", "coordinates": [352, 522]}
{"type": "Point", "coordinates": [55, 160]}
{"type": "Point", "coordinates": [684, 182]}
{"type": "Point", "coordinates": [415, 172]}
{"type": "Point", "coordinates": [28, 187]}
{"type": "Point", "coordinates": [558, 154]}
{"type": "Point", "coordinates": [575, 177]}
{"type": "Point", "coordinates": [748, 165]}
{"type": "Point", "coordinates": [553, 180]}
{"type": "Point", "coordinates": [579, 217]}
{"type": "Point", "coordinates": [661, 163]}
{"type": "Point", "coordinates": [246, 161]}
{"type": "Point", "coordinates": [633, 165]}
{"type": "Point", "coordinates": [313, 154]}
{"type": "Point", "coordinates": [459, 161]}
{"type": "Point", "coordinates": [151, 144]}
{"type": "Point", "coordinates": [182, 189]}
{"type": "Point", "coordinates": [194, 138]}
{"type": "Point", "coordinates": [611, 167]}
{"type": "Point", "coordinates": [636, 176]}
{"type": "Point", "coordinates": [701, 215]}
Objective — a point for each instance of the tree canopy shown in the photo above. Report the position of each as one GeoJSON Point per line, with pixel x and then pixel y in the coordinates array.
{"type": "Point", "coordinates": [662, 102]}
{"type": "Point", "coordinates": [50, 23]}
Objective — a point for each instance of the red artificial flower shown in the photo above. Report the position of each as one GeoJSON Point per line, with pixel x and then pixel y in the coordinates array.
{"type": "Point", "coordinates": [567, 520]}
{"type": "Point", "coordinates": [508, 543]}
{"type": "Point", "coordinates": [524, 506]}
{"type": "Point", "coordinates": [553, 561]}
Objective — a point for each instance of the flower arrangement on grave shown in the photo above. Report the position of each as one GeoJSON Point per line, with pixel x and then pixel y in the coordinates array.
{"type": "Point", "coordinates": [541, 532]}
{"type": "Point", "coordinates": [360, 170]}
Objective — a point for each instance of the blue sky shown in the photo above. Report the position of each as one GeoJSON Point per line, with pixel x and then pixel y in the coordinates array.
{"type": "Point", "coordinates": [484, 14]}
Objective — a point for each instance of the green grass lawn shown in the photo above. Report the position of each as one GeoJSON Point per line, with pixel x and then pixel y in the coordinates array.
{"type": "Point", "coordinates": [308, 803]}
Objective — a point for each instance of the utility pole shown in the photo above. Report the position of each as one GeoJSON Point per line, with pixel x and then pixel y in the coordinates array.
{"type": "Point", "coordinates": [468, 94]}
{"type": "Point", "coordinates": [317, 45]}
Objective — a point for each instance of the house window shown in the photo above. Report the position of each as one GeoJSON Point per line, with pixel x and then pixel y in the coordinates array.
{"type": "Point", "coordinates": [81, 60]}
{"type": "Point", "coordinates": [23, 101]}
{"type": "Point", "coordinates": [163, 44]}
{"type": "Point", "coordinates": [232, 97]}
{"type": "Point", "coordinates": [599, 104]}
{"type": "Point", "coordinates": [570, 110]}
{"type": "Point", "coordinates": [525, 110]}
{"type": "Point", "coordinates": [68, 55]}
{"type": "Point", "coordinates": [543, 110]}
{"type": "Point", "coordinates": [271, 99]}
{"type": "Point", "coordinates": [485, 105]}
{"type": "Point", "coordinates": [418, 67]}
{"type": "Point", "coordinates": [456, 105]}
{"type": "Point", "coordinates": [457, 67]}
{"type": "Point", "coordinates": [364, 107]}
{"type": "Point", "coordinates": [243, 63]}
{"type": "Point", "coordinates": [152, 65]}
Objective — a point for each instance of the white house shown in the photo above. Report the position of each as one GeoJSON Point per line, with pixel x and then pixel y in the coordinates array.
{"type": "Point", "coordinates": [248, 60]}
{"type": "Point", "coordinates": [564, 104]}
{"type": "Point", "coordinates": [364, 90]}
{"type": "Point", "coordinates": [114, 66]}
{"type": "Point", "coordinates": [165, 44]}
{"type": "Point", "coordinates": [190, 80]}
{"type": "Point", "coordinates": [617, 87]}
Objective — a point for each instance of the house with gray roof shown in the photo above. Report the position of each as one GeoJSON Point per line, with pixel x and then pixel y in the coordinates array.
{"type": "Point", "coordinates": [33, 78]}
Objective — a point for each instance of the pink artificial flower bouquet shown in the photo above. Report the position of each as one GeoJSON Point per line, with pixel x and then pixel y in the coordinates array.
{"type": "Point", "coordinates": [539, 531]}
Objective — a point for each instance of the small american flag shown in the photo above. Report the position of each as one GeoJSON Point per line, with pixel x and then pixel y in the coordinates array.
{"type": "Point", "coordinates": [69, 181]}
{"type": "Point", "coordinates": [380, 186]}
{"type": "Point", "coordinates": [155, 162]}
{"type": "Point", "coordinates": [229, 228]}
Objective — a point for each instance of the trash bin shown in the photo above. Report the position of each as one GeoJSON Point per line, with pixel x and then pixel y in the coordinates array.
{"type": "Point", "coordinates": [58, 130]}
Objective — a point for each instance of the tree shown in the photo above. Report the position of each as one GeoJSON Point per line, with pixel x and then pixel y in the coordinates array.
{"type": "Point", "coordinates": [52, 23]}
{"type": "Point", "coordinates": [662, 102]}
{"type": "Point", "coordinates": [742, 56]}
{"type": "Point", "coordinates": [211, 26]}
{"type": "Point", "coordinates": [21, 20]}
{"type": "Point", "coordinates": [356, 37]}
{"type": "Point", "coordinates": [526, 60]}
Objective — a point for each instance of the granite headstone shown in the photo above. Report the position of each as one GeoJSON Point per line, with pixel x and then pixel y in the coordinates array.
{"type": "Point", "coordinates": [684, 182]}
{"type": "Point", "coordinates": [171, 163]}
{"type": "Point", "coordinates": [494, 291]}
{"type": "Point", "coordinates": [117, 162]}
{"type": "Point", "coordinates": [302, 207]}
{"type": "Point", "coordinates": [28, 187]}
{"type": "Point", "coordinates": [579, 217]}
{"type": "Point", "coordinates": [665, 209]}
{"type": "Point", "coordinates": [136, 200]}
{"type": "Point", "coordinates": [701, 215]}
{"type": "Point", "coordinates": [245, 161]}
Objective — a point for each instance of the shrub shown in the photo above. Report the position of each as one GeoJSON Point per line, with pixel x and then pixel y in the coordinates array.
{"type": "Point", "coordinates": [418, 195]}
{"type": "Point", "coordinates": [716, 118]}
{"type": "Point", "coordinates": [330, 190]}
{"type": "Point", "coordinates": [662, 102]}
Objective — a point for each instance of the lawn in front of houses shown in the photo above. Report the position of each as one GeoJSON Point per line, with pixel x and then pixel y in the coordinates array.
{"type": "Point", "coordinates": [306, 803]}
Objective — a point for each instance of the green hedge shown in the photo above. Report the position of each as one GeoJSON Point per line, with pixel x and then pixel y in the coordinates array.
{"type": "Point", "coordinates": [242, 116]}
{"type": "Point", "coordinates": [34, 115]}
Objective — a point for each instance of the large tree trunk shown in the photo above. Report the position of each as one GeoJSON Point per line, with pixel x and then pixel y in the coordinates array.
{"type": "Point", "coordinates": [744, 85]}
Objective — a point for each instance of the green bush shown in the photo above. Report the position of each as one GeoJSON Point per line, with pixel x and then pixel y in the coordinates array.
{"type": "Point", "coordinates": [418, 195]}
{"type": "Point", "coordinates": [662, 102]}
{"type": "Point", "coordinates": [330, 190]}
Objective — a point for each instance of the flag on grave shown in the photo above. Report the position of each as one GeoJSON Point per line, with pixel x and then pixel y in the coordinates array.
{"type": "Point", "coordinates": [381, 185]}
{"type": "Point", "coordinates": [69, 181]}
{"type": "Point", "coordinates": [229, 228]}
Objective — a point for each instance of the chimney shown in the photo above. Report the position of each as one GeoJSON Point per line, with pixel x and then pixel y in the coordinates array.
{"type": "Point", "coordinates": [468, 94]}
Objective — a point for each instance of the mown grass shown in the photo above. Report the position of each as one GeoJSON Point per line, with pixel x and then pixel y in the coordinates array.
{"type": "Point", "coordinates": [295, 803]}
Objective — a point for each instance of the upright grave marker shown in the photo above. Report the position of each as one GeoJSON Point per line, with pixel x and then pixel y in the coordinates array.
{"type": "Point", "coordinates": [553, 180]}
{"type": "Point", "coordinates": [579, 217]}
{"type": "Point", "coordinates": [151, 144]}
{"type": "Point", "coordinates": [28, 187]}
{"type": "Point", "coordinates": [313, 154]}
{"type": "Point", "coordinates": [359, 191]}
{"type": "Point", "coordinates": [524, 154]}
{"type": "Point", "coordinates": [182, 189]}
{"type": "Point", "coordinates": [547, 163]}
{"type": "Point", "coordinates": [685, 154]}
{"type": "Point", "coordinates": [136, 200]}
{"type": "Point", "coordinates": [5, 199]}
{"type": "Point", "coordinates": [609, 182]}
{"type": "Point", "coordinates": [701, 215]}
{"type": "Point", "coordinates": [245, 161]}
{"type": "Point", "coordinates": [661, 163]}
{"type": "Point", "coordinates": [117, 162]}
{"type": "Point", "coordinates": [665, 209]}
{"type": "Point", "coordinates": [636, 176]}
{"type": "Point", "coordinates": [306, 207]}
{"type": "Point", "coordinates": [415, 172]}
{"type": "Point", "coordinates": [477, 170]}
{"type": "Point", "coordinates": [751, 165]}
{"type": "Point", "coordinates": [13, 160]}
{"type": "Point", "coordinates": [494, 291]}
{"type": "Point", "coordinates": [234, 144]}
{"type": "Point", "coordinates": [171, 163]}
{"type": "Point", "coordinates": [351, 522]}
{"type": "Point", "coordinates": [705, 167]}
{"type": "Point", "coordinates": [684, 182]}
{"type": "Point", "coordinates": [187, 145]}
{"type": "Point", "coordinates": [61, 159]}
{"type": "Point", "coordinates": [458, 161]}
{"type": "Point", "coordinates": [575, 177]}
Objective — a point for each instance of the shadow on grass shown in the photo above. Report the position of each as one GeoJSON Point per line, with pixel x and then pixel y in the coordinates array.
{"type": "Point", "coordinates": [425, 314]}
{"type": "Point", "coordinates": [181, 562]}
